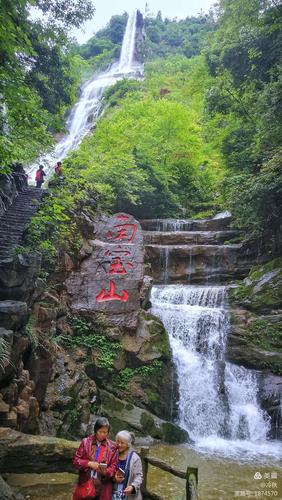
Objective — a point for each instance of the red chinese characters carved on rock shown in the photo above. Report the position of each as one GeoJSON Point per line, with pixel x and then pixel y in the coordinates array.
{"type": "Point", "coordinates": [122, 232]}
{"type": "Point", "coordinates": [117, 260]}
{"type": "Point", "coordinates": [112, 295]}
{"type": "Point", "coordinates": [117, 266]}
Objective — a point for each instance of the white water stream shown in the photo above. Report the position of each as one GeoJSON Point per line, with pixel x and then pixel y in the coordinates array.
{"type": "Point", "coordinates": [88, 108]}
{"type": "Point", "coordinates": [218, 401]}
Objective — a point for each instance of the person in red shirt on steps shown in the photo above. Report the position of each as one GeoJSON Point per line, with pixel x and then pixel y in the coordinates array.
{"type": "Point", "coordinates": [58, 169]}
{"type": "Point", "coordinates": [39, 176]}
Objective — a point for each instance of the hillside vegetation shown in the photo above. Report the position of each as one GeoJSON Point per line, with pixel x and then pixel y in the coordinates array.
{"type": "Point", "coordinates": [199, 134]}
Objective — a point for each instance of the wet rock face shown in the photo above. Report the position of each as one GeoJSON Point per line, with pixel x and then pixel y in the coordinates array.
{"type": "Point", "coordinates": [140, 37]}
{"type": "Point", "coordinates": [10, 186]}
{"type": "Point", "coordinates": [175, 225]}
{"type": "Point", "coordinates": [142, 372]}
{"type": "Point", "coordinates": [196, 263]}
{"type": "Point", "coordinates": [188, 237]}
{"type": "Point", "coordinates": [13, 314]}
{"type": "Point", "coordinates": [6, 492]}
{"type": "Point", "coordinates": [18, 275]}
{"type": "Point", "coordinates": [110, 279]}
{"type": "Point", "coordinates": [123, 414]}
{"type": "Point", "coordinates": [70, 399]}
{"type": "Point", "coordinates": [255, 334]}
{"type": "Point", "coordinates": [271, 397]}
{"type": "Point", "coordinates": [195, 251]}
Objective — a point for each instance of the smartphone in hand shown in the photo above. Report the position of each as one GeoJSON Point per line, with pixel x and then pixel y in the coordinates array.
{"type": "Point", "coordinates": [121, 471]}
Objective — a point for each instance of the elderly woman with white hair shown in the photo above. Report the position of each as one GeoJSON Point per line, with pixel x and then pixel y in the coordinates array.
{"type": "Point", "coordinates": [129, 475]}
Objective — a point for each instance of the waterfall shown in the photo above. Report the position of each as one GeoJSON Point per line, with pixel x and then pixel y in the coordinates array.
{"type": "Point", "coordinates": [128, 45]}
{"type": "Point", "coordinates": [216, 398]}
{"type": "Point", "coordinates": [164, 258]}
{"type": "Point", "coordinates": [173, 225]}
{"type": "Point", "coordinates": [84, 114]}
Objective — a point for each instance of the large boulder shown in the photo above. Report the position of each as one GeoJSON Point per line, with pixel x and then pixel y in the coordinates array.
{"type": "Point", "coordinates": [261, 291]}
{"type": "Point", "coordinates": [70, 402]}
{"type": "Point", "coordinates": [271, 397]}
{"type": "Point", "coordinates": [123, 414]}
{"type": "Point", "coordinates": [110, 279]}
{"type": "Point", "coordinates": [6, 493]}
{"type": "Point", "coordinates": [13, 314]}
{"type": "Point", "coordinates": [23, 453]}
{"type": "Point", "coordinates": [256, 319]}
{"type": "Point", "coordinates": [241, 351]}
{"type": "Point", "coordinates": [141, 370]}
{"type": "Point", "coordinates": [18, 276]}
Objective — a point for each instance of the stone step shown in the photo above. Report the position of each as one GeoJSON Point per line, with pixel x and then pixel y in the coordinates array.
{"type": "Point", "coordinates": [14, 221]}
{"type": "Point", "coordinates": [17, 219]}
{"type": "Point", "coordinates": [188, 237]}
{"type": "Point", "coordinates": [172, 225]}
{"type": "Point", "coordinates": [8, 241]}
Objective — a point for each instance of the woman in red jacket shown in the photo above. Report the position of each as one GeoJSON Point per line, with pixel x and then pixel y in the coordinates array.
{"type": "Point", "coordinates": [93, 451]}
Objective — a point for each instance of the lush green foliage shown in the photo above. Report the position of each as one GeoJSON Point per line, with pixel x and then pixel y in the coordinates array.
{"type": "Point", "coordinates": [147, 372]}
{"type": "Point", "coordinates": [5, 349]}
{"type": "Point", "coordinates": [105, 45]}
{"type": "Point", "coordinates": [38, 81]}
{"type": "Point", "coordinates": [150, 154]}
{"type": "Point", "coordinates": [167, 36]}
{"type": "Point", "coordinates": [54, 226]}
{"type": "Point", "coordinates": [104, 349]}
{"type": "Point", "coordinates": [165, 144]}
{"type": "Point", "coordinates": [245, 58]}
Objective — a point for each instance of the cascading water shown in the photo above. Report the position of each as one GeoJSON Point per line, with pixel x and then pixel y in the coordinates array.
{"type": "Point", "coordinates": [85, 113]}
{"type": "Point", "coordinates": [128, 45]}
{"type": "Point", "coordinates": [218, 403]}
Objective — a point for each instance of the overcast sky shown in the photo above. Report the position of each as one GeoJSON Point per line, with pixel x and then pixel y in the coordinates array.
{"type": "Point", "coordinates": [106, 8]}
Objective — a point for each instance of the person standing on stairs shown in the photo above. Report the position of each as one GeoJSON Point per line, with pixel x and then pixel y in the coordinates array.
{"type": "Point", "coordinates": [39, 176]}
{"type": "Point", "coordinates": [58, 169]}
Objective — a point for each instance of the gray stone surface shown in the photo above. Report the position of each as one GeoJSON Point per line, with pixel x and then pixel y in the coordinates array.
{"type": "Point", "coordinates": [6, 493]}
{"type": "Point", "coordinates": [13, 314]}
{"type": "Point", "coordinates": [110, 279]}
{"type": "Point", "coordinates": [124, 414]}
{"type": "Point", "coordinates": [20, 453]}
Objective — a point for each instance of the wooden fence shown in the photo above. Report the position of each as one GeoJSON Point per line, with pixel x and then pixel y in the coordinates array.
{"type": "Point", "coordinates": [190, 475]}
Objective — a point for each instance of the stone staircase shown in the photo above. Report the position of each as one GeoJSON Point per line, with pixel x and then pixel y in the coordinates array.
{"type": "Point", "coordinates": [14, 221]}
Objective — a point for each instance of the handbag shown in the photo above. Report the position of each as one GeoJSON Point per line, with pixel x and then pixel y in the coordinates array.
{"type": "Point", "coordinates": [85, 491]}
{"type": "Point", "coordinates": [88, 490]}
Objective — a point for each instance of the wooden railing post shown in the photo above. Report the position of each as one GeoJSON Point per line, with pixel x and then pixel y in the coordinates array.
{"type": "Point", "coordinates": [192, 483]}
{"type": "Point", "coordinates": [144, 452]}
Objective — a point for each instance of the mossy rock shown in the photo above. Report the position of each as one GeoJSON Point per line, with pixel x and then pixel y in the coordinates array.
{"type": "Point", "coordinates": [149, 426]}
{"type": "Point", "coordinates": [142, 422]}
{"type": "Point", "coordinates": [266, 332]}
{"type": "Point", "coordinates": [173, 434]}
{"type": "Point", "coordinates": [262, 289]}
